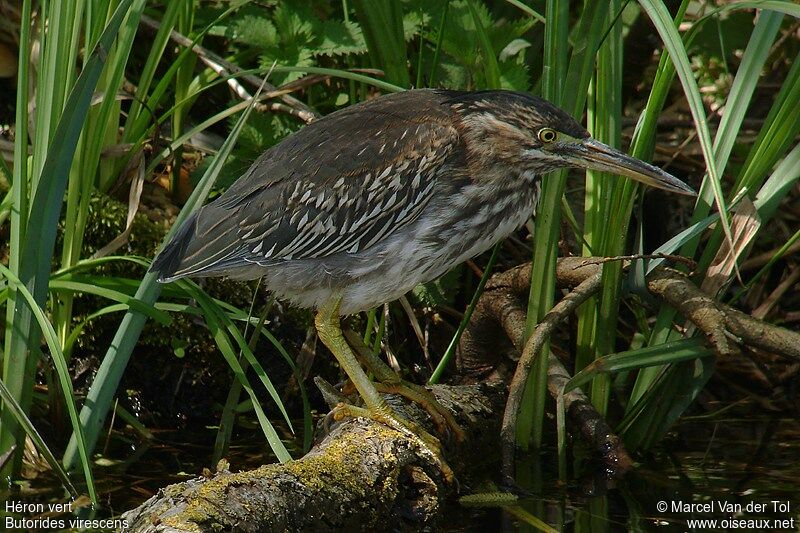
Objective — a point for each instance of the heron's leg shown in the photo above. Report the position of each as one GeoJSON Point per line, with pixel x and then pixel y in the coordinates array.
{"type": "Point", "coordinates": [391, 383]}
{"type": "Point", "coordinates": [330, 333]}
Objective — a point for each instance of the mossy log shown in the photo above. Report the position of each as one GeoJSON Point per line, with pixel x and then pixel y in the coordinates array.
{"type": "Point", "coordinates": [362, 476]}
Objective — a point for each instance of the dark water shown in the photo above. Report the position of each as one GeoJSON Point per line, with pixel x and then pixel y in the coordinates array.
{"type": "Point", "coordinates": [743, 473]}
{"type": "Point", "coordinates": [745, 469]}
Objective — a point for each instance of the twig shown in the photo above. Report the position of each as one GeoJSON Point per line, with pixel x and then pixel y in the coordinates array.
{"type": "Point", "coordinates": [757, 261]}
{"type": "Point", "coordinates": [505, 307]}
{"type": "Point", "coordinates": [724, 326]}
{"type": "Point", "coordinates": [532, 348]}
{"type": "Point", "coordinates": [219, 64]}
{"type": "Point", "coordinates": [669, 257]}
{"type": "Point", "coordinates": [720, 322]}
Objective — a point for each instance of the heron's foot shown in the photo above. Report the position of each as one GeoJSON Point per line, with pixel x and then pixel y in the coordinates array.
{"type": "Point", "coordinates": [442, 418]}
{"type": "Point", "coordinates": [429, 445]}
{"type": "Point", "coordinates": [388, 382]}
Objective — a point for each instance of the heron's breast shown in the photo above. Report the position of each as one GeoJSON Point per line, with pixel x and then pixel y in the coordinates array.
{"type": "Point", "coordinates": [447, 235]}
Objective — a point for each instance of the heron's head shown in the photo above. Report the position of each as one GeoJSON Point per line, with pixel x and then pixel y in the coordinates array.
{"type": "Point", "coordinates": [537, 136]}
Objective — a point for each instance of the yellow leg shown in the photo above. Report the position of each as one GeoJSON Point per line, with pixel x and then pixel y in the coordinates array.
{"type": "Point", "coordinates": [391, 383]}
{"type": "Point", "coordinates": [330, 333]}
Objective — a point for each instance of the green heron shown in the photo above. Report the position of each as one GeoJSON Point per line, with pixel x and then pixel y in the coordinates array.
{"type": "Point", "coordinates": [359, 207]}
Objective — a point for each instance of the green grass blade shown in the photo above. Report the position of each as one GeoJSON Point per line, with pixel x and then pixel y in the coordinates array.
{"type": "Point", "coordinates": [542, 293]}
{"type": "Point", "coordinates": [642, 147]}
{"type": "Point", "coordinates": [671, 352]}
{"type": "Point", "coordinates": [137, 126]}
{"type": "Point", "coordinates": [64, 377]}
{"type": "Point", "coordinates": [22, 419]}
{"type": "Point", "coordinates": [157, 47]}
{"type": "Point", "coordinates": [382, 23]}
{"type": "Point", "coordinates": [117, 296]}
{"type": "Point", "coordinates": [672, 42]}
{"type": "Point", "coordinates": [308, 430]}
{"type": "Point", "coordinates": [101, 393]}
{"type": "Point", "coordinates": [744, 84]}
{"type": "Point", "coordinates": [778, 185]}
{"type": "Point", "coordinates": [218, 117]}
{"type": "Point", "coordinates": [438, 49]}
{"type": "Point", "coordinates": [490, 68]}
{"type": "Point", "coordinates": [786, 7]}
{"type": "Point", "coordinates": [94, 262]}
{"type": "Point", "coordinates": [767, 267]}
{"type": "Point", "coordinates": [738, 101]}
{"type": "Point", "coordinates": [527, 10]}
{"type": "Point", "coordinates": [75, 333]}
{"type": "Point", "coordinates": [612, 198]}
{"type": "Point", "coordinates": [19, 193]}
{"type": "Point", "coordinates": [742, 91]}
{"type": "Point", "coordinates": [222, 330]}
{"type": "Point", "coordinates": [15, 364]}
{"type": "Point", "coordinates": [37, 251]}
{"type": "Point", "coordinates": [555, 76]}
{"type": "Point", "coordinates": [647, 420]}
{"type": "Point", "coordinates": [100, 130]}
{"type": "Point", "coordinates": [451, 348]}
{"type": "Point", "coordinates": [778, 130]}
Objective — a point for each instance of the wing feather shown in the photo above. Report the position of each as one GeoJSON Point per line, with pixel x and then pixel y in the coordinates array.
{"type": "Point", "coordinates": [340, 185]}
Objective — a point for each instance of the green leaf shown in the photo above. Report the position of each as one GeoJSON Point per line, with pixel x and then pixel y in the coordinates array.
{"type": "Point", "coordinates": [414, 21]}
{"type": "Point", "coordinates": [295, 23]}
{"type": "Point", "coordinates": [339, 38]}
{"type": "Point", "coordinates": [514, 77]}
{"type": "Point", "coordinates": [341, 99]}
{"type": "Point", "coordinates": [513, 49]}
{"type": "Point", "coordinates": [287, 53]}
{"type": "Point", "coordinates": [441, 291]}
{"type": "Point", "coordinates": [179, 347]}
{"type": "Point", "coordinates": [452, 75]}
{"type": "Point", "coordinates": [254, 30]}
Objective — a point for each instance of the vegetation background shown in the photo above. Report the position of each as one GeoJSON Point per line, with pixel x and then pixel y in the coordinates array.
{"type": "Point", "coordinates": [113, 128]}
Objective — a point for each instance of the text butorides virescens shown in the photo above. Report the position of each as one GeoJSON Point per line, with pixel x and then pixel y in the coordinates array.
{"type": "Point", "coordinates": [359, 207]}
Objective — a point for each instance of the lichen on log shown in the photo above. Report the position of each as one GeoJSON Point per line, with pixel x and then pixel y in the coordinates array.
{"type": "Point", "coordinates": [362, 476]}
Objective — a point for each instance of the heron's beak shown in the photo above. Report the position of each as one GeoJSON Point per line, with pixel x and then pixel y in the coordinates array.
{"type": "Point", "coordinates": [592, 154]}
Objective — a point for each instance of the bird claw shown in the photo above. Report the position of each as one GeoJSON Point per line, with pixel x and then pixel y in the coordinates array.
{"type": "Point", "coordinates": [441, 417]}
{"type": "Point", "coordinates": [388, 382]}
{"type": "Point", "coordinates": [429, 445]}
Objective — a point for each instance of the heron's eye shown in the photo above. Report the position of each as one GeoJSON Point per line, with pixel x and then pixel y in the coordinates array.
{"type": "Point", "coordinates": [547, 135]}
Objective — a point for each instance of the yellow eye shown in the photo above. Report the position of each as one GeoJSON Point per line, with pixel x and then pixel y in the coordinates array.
{"type": "Point", "coordinates": [547, 135]}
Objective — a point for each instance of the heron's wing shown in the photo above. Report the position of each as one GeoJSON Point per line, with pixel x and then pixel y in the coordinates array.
{"type": "Point", "coordinates": [341, 184]}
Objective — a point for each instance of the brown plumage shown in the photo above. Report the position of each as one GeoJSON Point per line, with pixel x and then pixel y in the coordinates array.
{"type": "Point", "coordinates": [359, 207]}
{"type": "Point", "coordinates": [374, 199]}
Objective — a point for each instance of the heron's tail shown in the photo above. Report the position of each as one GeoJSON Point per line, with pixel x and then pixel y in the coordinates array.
{"type": "Point", "coordinates": [168, 263]}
